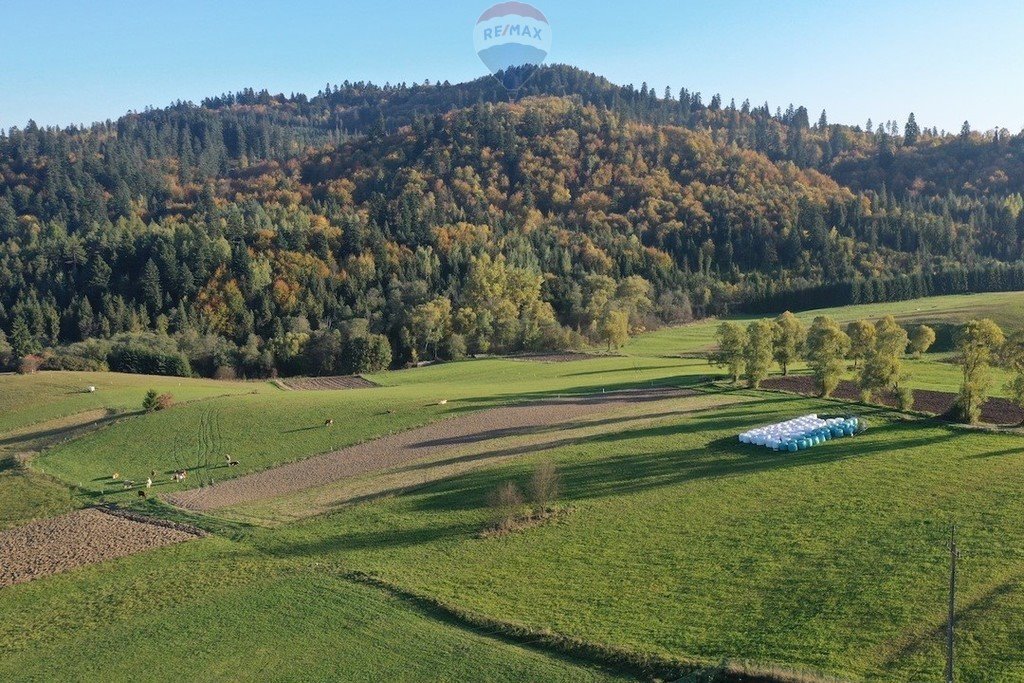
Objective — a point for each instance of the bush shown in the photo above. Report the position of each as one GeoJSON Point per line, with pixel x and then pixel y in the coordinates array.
{"type": "Point", "coordinates": [164, 401]}
{"type": "Point", "coordinates": [453, 347]}
{"type": "Point", "coordinates": [137, 358]}
{"type": "Point", "coordinates": [505, 503]}
{"type": "Point", "coordinates": [88, 356]}
{"type": "Point", "coordinates": [225, 372]}
{"type": "Point", "coordinates": [30, 364]}
{"type": "Point", "coordinates": [368, 353]}
{"type": "Point", "coordinates": [905, 398]}
{"type": "Point", "coordinates": [207, 353]}
{"type": "Point", "coordinates": [544, 485]}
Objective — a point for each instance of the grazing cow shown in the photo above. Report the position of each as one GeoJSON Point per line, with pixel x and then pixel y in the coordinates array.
{"type": "Point", "coordinates": [442, 402]}
{"type": "Point", "coordinates": [232, 463]}
{"type": "Point", "coordinates": [328, 422]}
{"type": "Point", "coordinates": [115, 476]}
{"type": "Point", "coordinates": [142, 494]}
{"type": "Point", "coordinates": [128, 485]}
{"type": "Point", "coordinates": [149, 483]}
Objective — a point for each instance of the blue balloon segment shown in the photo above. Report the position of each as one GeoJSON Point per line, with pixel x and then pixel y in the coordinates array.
{"type": "Point", "coordinates": [504, 57]}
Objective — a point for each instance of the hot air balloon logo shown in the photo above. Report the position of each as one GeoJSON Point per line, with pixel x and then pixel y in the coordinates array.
{"type": "Point", "coordinates": [512, 40]}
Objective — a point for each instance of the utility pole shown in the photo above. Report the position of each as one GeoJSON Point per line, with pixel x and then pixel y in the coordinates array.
{"type": "Point", "coordinates": [953, 554]}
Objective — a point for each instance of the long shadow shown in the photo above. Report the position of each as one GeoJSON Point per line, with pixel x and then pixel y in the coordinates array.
{"type": "Point", "coordinates": [627, 474]}
{"type": "Point", "coordinates": [577, 392]}
{"type": "Point", "coordinates": [302, 429]}
{"type": "Point", "coordinates": [975, 609]}
{"type": "Point", "coordinates": [56, 432]}
{"type": "Point", "coordinates": [621, 370]}
{"type": "Point", "coordinates": [375, 540]}
{"type": "Point", "coordinates": [536, 430]}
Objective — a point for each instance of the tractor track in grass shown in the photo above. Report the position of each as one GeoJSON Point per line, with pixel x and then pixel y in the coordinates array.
{"type": "Point", "coordinates": [410, 446]}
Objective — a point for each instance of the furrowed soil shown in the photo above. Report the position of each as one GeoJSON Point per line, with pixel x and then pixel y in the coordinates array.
{"type": "Point", "coordinates": [997, 411]}
{"type": "Point", "coordinates": [410, 446]}
{"type": "Point", "coordinates": [327, 383]}
{"type": "Point", "coordinates": [83, 537]}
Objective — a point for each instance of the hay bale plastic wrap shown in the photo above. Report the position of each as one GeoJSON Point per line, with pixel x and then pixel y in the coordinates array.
{"type": "Point", "coordinates": [802, 433]}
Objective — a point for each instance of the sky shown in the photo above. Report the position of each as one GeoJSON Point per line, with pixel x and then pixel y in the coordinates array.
{"type": "Point", "coordinates": [66, 61]}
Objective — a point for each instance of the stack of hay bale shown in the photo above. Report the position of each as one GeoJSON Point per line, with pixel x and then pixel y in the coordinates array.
{"type": "Point", "coordinates": [802, 432]}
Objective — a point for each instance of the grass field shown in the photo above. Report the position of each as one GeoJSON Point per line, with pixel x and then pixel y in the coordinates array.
{"type": "Point", "coordinates": [29, 399]}
{"type": "Point", "coordinates": [677, 542]}
{"type": "Point", "coordinates": [214, 610]}
{"type": "Point", "coordinates": [1006, 308]}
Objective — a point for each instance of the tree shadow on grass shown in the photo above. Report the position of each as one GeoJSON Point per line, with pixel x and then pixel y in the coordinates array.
{"type": "Point", "coordinates": [47, 436]}
{"type": "Point", "coordinates": [574, 393]}
{"type": "Point", "coordinates": [718, 457]}
{"type": "Point", "coordinates": [326, 544]}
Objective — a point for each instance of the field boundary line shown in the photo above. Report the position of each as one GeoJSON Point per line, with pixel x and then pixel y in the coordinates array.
{"type": "Point", "coordinates": [644, 665]}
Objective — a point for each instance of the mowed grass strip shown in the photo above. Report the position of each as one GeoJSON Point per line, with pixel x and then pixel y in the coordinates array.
{"type": "Point", "coordinates": [211, 610]}
{"type": "Point", "coordinates": [686, 543]}
{"type": "Point", "coordinates": [273, 427]}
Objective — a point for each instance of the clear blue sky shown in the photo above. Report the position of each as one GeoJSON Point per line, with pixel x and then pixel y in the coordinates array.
{"type": "Point", "coordinates": [64, 61]}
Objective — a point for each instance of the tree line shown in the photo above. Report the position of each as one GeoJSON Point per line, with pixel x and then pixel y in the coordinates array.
{"type": "Point", "coordinates": [877, 351]}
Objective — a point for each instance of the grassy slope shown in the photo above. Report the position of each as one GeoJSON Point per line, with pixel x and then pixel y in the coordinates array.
{"type": "Point", "coordinates": [28, 399]}
{"type": "Point", "coordinates": [210, 610]}
{"type": "Point", "coordinates": [684, 542]}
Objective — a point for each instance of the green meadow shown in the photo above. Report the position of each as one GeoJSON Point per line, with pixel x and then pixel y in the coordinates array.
{"type": "Point", "coordinates": [676, 544]}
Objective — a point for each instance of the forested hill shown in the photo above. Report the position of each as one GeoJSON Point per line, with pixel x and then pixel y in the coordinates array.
{"type": "Point", "coordinates": [256, 233]}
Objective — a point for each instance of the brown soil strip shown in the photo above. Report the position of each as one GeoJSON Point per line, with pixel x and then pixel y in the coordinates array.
{"type": "Point", "coordinates": [997, 411]}
{"type": "Point", "coordinates": [458, 461]}
{"type": "Point", "coordinates": [327, 383]}
{"type": "Point", "coordinates": [83, 537]}
{"type": "Point", "coordinates": [409, 446]}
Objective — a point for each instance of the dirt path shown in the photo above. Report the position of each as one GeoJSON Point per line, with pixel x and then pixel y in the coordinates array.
{"type": "Point", "coordinates": [409, 446]}
{"type": "Point", "coordinates": [59, 544]}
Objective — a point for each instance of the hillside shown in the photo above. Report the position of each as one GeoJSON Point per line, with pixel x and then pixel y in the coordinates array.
{"type": "Point", "coordinates": [369, 226]}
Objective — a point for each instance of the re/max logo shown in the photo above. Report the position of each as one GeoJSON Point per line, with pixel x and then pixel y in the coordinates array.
{"type": "Point", "coordinates": [512, 30]}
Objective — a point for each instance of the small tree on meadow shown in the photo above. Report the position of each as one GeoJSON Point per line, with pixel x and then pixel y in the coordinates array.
{"type": "Point", "coordinates": [883, 367]}
{"type": "Point", "coordinates": [149, 403]}
{"type": "Point", "coordinates": [827, 345]}
{"type": "Point", "coordinates": [862, 340]}
{"type": "Point", "coordinates": [505, 502]}
{"type": "Point", "coordinates": [732, 344]}
{"type": "Point", "coordinates": [544, 485]}
{"type": "Point", "coordinates": [757, 354]}
{"type": "Point", "coordinates": [614, 328]}
{"type": "Point", "coordinates": [788, 340]}
{"type": "Point", "coordinates": [921, 339]}
{"type": "Point", "coordinates": [977, 343]}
